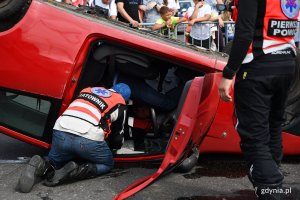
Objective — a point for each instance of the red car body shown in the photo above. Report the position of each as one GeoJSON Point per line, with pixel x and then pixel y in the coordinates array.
{"type": "Point", "coordinates": [44, 56]}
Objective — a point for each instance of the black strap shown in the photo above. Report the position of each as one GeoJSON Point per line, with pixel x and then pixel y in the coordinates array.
{"type": "Point", "coordinates": [104, 123]}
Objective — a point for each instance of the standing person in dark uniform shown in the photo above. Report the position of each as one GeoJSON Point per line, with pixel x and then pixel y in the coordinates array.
{"type": "Point", "coordinates": [94, 119]}
{"type": "Point", "coordinates": [263, 59]}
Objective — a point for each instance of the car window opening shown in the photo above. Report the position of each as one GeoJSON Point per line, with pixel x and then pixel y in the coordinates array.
{"type": "Point", "coordinates": [25, 113]}
{"type": "Point", "coordinates": [158, 89]}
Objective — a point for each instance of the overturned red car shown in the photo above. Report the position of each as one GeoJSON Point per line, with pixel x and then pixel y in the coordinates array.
{"type": "Point", "coordinates": [50, 51]}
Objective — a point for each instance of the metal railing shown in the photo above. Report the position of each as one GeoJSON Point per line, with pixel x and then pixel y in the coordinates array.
{"type": "Point", "coordinates": [227, 32]}
{"type": "Point", "coordinates": [214, 29]}
{"type": "Point", "coordinates": [170, 32]}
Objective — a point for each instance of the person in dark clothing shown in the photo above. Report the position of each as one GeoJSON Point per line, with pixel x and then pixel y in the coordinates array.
{"type": "Point", "coordinates": [128, 11]}
{"type": "Point", "coordinates": [94, 119]}
{"type": "Point", "coordinates": [263, 60]}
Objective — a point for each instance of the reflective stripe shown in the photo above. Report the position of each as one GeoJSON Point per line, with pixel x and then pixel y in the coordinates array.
{"type": "Point", "coordinates": [81, 115]}
{"type": "Point", "coordinates": [114, 115]}
{"type": "Point", "coordinates": [267, 43]}
{"type": "Point", "coordinates": [275, 29]}
{"type": "Point", "coordinates": [88, 110]}
{"type": "Point", "coordinates": [271, 46]}
{"type": "Point", "coordinates": [85, 111]}
{"type": "Point", "coordinates": [130, 121]}
{"type": "Point", "coordinates": [89, 106]}
{"type": "Point", "coordinates": [249, 57]}
{"type": "Point", "coordinates": [281, 47]}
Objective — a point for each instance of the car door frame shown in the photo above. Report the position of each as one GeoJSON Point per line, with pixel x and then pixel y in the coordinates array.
{"type": "Point", "coordinates": [185, 135]}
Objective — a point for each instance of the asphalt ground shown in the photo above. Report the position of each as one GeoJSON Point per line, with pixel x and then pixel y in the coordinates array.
{"type": "Point", "coordinates": [216, 177]}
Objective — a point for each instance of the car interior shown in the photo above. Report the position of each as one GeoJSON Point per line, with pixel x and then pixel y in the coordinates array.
{"type": "Point", "coordinates": [148, 129]}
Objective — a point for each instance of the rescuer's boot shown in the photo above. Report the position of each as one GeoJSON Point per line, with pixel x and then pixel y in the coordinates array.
{"type": "Point", "coordinates": [72, 172]}
{"type": "Point", "coordinates": [84, 171]}
{"type": "Point", "coordinates": [33, 173]}
{"type": "Point", "coordinates": [266, 191]}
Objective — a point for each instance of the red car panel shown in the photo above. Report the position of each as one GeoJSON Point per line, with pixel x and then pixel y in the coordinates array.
{"type": "Point", "coordinates": [184, 134]}
{"type": "Point", "coordinates": [48, 43]}
{"type": "Point", "coordinates": [44, 54]}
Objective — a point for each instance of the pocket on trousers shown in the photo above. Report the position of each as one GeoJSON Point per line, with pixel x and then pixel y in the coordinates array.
{"type": "Point", "coordinates": [87, 145]}
{"type": "Point", "coordinates": [95, 149]}
{"type": "Point", "coordinates": [58, 140]}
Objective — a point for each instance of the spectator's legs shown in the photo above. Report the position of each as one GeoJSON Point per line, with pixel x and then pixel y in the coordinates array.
{"type": "Point", "coordinates": [219, 40]}
{"type": "Point", "coordinates": [201, 43]}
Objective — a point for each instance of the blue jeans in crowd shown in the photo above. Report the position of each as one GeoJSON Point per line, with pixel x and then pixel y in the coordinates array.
{"type": "Point", "coordinates": [66, 146]}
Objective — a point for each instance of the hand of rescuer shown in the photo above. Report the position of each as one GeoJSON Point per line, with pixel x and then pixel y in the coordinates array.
{"type": "Point", "coordinates": [225, 89]}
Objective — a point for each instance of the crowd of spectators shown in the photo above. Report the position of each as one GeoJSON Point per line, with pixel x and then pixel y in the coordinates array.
{"type": "Point", "coordinates": [162, 16]}
{"type": "Point", "coordinates": [150, 13]}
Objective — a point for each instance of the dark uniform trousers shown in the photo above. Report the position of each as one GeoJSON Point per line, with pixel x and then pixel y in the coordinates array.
{"type": "Point", "coordinates": [260, 96]}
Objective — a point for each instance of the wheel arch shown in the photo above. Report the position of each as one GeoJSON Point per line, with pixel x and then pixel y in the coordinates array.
{"type": "Point", "coordinates": [11, 12]}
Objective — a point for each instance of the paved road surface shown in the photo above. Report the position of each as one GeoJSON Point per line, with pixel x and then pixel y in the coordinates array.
{"type": "Point", "coordinates": [216, 177]}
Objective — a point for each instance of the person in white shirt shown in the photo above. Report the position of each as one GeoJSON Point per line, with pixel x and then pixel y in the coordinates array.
{"type": "Point", "coordinates": [216, 17]}
{"type": "Point", "coordinates": [151, 10]}
{"type": "Point", "coordinates": [109, 6]}
{"type": "Point", "coordinates": [173, 5]}
{"type": "Point", "coordinates": [200, 33]}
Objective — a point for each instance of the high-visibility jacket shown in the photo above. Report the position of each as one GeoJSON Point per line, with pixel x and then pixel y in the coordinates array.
{"type": "Point", "coordinates": [275, 29]}
{"type": "Point", "coordinates": [95, 105]}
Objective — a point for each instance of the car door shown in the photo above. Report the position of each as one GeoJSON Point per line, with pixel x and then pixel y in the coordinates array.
{"type": "Point", "coordinates": [196, 110]}
{"type": "Point", "coordinates": [28, 117]}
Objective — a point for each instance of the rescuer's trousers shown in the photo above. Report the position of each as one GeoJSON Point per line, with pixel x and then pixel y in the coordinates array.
{"type": "Point", "coordinates": [260, 94]}
{"type": "Point", "coordinates": [66, 147]}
